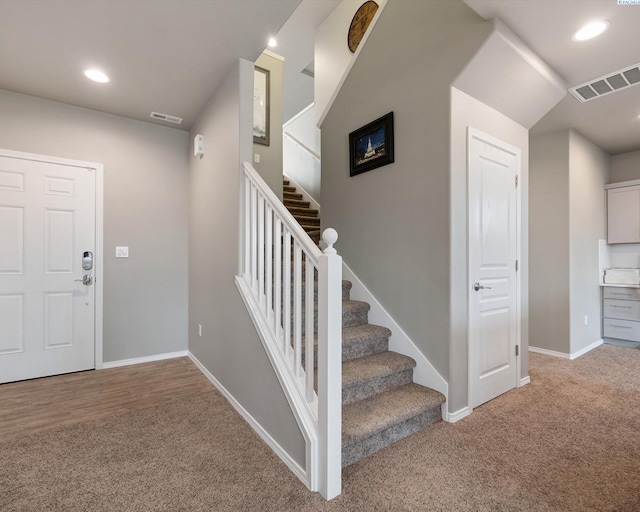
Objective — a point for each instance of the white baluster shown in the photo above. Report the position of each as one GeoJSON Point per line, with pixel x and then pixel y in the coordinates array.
{"type": "Point", "coordinates": [297, 310]}
{"type": "Point", "coordinates": [261, 250]}
{"type": "Point", "coordinates": [246, 246]}
{"type": "Point", "coordinates": [286, 317]}
{"type": "Point", "coordinates": [309, 328]}
{"type": "Point", "coordinates": [277, 309]}
{"type": "Point", "coordinates": [269, 262]}
{"type": "Point", "coordinates": [254, 236]}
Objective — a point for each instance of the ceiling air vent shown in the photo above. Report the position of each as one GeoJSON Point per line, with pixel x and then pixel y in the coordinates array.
{"type": "Point", "coordinates": [607, 84]}
{"type": "Point", "coordinates": [165, 117]}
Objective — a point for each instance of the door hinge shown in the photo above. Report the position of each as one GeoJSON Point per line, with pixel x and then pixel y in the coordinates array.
{"type": "Point", "coordinates": [517, 350]}
{"type": "Point", "coordinates": [516, 181]}
{"type": "Point", "coordinates": [516, 265]}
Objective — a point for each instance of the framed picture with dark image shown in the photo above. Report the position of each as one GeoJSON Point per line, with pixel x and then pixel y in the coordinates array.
{"type": "Point", "coordinates": [371, 146]}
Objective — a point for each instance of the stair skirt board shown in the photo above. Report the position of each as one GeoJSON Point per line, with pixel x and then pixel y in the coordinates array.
{"type": "Point", "coordinates": [425, 373]}
{"type": "Point", "coordinates": [264, 435]}
{"type": "Point", "coordinates": [145, 359]}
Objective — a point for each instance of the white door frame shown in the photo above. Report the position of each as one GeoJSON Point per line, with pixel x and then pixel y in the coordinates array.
{"type": "Point", "coordinates": [99, 227]}
{"type": "Point", "coordinates": [471, 133]}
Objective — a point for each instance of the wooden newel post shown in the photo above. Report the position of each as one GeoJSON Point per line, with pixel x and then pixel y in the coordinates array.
{"type": "Point", "coordinates": [330, 367]}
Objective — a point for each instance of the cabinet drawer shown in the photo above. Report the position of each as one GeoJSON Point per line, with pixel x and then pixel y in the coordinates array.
{"type": "Point", "coordinates": [622, 329]}
{"type": "Point", "coordinates": [622, 309]}
{"type": "Point", "coordinates": [611, 292]}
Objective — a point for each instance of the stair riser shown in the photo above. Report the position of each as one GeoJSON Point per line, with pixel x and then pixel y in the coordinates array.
{"type": "Point", "coordinates": [366, 348]}
{"type": "Point", "coordinates": [349, 319]}
{"type": "Point", "coordinates": [353, 318]}
{"type": "Point", "coordinates": [380, 385]}
{"type": "Point", "coordinates": [361, 449]}
{"type": "Point", "coordinates": [356, 351]}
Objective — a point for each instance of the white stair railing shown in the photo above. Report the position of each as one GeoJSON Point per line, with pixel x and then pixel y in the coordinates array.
{"type": "Point", "coordinates": [293, 292]}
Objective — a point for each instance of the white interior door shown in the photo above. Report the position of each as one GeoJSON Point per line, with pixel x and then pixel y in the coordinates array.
{"type": "Point", "coordinates": [493, 252]}
{"type": "Point", "coordinates": [47, 313]}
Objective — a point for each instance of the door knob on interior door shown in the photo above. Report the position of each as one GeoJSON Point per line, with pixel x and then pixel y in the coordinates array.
{"type": "Point", "coordinates": [477, 286]}
{"type": "Point", "coordinates": [86, 280]}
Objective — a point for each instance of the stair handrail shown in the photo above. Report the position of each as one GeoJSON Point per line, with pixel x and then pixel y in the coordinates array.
{"type": "Point", "coordinates": [279, 264]}
{"type": "Point", "coordinates": [302, 145]}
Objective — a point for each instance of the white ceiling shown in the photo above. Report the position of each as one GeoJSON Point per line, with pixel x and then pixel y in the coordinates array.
{"type": "Point", "coordinates": [169, 55]}
{"type": "Point", "coordinates": [612, 121]}
{"type": "Point", "coordinates": [162, 55]}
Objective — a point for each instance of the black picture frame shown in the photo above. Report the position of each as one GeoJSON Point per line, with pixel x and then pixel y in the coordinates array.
{"type": "Point", "coordinates": [371, 146]}
{"type": "Point", "coordinates": [261, 107]}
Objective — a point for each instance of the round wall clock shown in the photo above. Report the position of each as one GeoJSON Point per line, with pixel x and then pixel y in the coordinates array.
{"type": "Point", "coordinates": [360, 23]}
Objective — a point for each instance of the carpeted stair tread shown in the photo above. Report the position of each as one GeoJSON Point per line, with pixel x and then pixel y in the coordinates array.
{"type": "Point", "coordinates": [295, 203]}
{"type": "Point", "coordinates": [292, 195]}
{"type": "Point", "coordinates": [288, 188]}
{"type": "Point", "coordinates": [304, 219]}
{"type": "Point", "coordinates": [365, 369]}
{"type": "Point", "coordinates": [368, 417]}
{"type": "Point", "coordinates": [371, 375]}
{"type": "Point", "coordinates": [308, 212]}
{"type": "Point", "coordinates": [364, 340]}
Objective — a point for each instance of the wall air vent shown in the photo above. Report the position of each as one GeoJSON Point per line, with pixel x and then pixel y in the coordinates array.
{"type": "Point", "coordinates": [165, 117]}
{"type": "Point", "coordinates": [607, 84]}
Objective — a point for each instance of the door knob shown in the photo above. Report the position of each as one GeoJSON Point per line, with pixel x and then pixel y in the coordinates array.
{"type": "Point", "coordinates": [477, 286]}
{"type": "Point", "coordinates": [86, 280]}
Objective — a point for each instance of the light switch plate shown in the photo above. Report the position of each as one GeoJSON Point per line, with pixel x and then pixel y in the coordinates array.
{"type": "Point", "coordinates": [122, 252]}
{"type": "Point", "coordinates": [256, 158]}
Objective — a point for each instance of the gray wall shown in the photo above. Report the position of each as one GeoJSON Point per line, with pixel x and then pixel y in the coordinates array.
{"type": "Point", "coordinates": [588, 174]}
{"type": "Point", "coordinates": [145, 208]}
{"type": "Point", "coordinates": [567, 218]}
{"type": "Point", "coordinates": [625, 167]}
{"type": "Point", "coordinates": [229, 346]}
{"type": "Point", "coordinates": [549, 274]}
{"type": "Point", "coordinates": [394, 221]}
{"type": "Point", "coordinates": [270, 166]}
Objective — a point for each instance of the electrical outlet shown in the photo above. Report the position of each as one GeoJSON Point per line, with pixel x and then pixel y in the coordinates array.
{"type": "Point", "coordinates": [199, 329]}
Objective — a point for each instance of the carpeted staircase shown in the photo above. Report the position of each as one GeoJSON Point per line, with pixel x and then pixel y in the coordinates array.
{"type": "Point", "coordinates": [301, 210]}
{"type": "Point", "coordinates": [381, 404]}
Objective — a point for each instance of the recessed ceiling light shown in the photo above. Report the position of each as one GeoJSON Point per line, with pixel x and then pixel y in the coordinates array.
{"type": "Point", "coordinates": [272, 42]}
{"type": "Point", "coordinates": [591, 30]}
{"type": "Point", "coordinates": [96, 75]}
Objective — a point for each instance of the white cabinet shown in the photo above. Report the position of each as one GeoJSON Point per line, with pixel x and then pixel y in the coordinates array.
{"type": "Point", "coordinates": [621, 312]}
{"type": "Point", "coordinates": [623, 213]}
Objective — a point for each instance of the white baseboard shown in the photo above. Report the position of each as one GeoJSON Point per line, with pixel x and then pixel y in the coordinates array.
{"type": "Point", "coordinates": [452, 417]}
{"type": "Point", "coordinates": [524, 381]}
{"type": "Point", "coordinates": [145, 359]}
{"type": "Point", "coordinates": [564, 355]}
{"type": "Point", "coordinates": [264, 435]}
{"type": "Point", "coordinates": [424, 373]}
{"type": "Point", "coordinates": [586, 349]}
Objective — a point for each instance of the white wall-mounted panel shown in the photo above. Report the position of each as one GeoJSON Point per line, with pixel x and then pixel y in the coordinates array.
{"type": "Point", "coordinates": [58, 186]}
{"type": "Point", "coordinates": [12, 237]}
{"type": "Point", "coordinates": [12, 181]}
{"type": "Point", "coordinates": [58, 320]}
{"type": "Point", "coordinates": [59, 237]}
{"type": "Point", "coordinates": [11, 324]}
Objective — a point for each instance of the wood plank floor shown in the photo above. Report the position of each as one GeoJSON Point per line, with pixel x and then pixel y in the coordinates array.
{"type": "Point", "coordinates": [41, 404]}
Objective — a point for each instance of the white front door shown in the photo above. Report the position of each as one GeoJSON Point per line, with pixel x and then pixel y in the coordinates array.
{"type": "Point", "coordinates": [493, 252]}
{"type": "Point", "coordinates": [47, 313]}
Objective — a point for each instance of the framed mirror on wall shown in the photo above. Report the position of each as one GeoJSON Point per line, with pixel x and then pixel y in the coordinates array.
{"type": "Point", "coordinates": [261, 106]}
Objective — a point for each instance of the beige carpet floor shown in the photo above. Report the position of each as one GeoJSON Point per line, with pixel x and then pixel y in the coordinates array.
{"type": "Point", "coordinates": [569, 441]}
